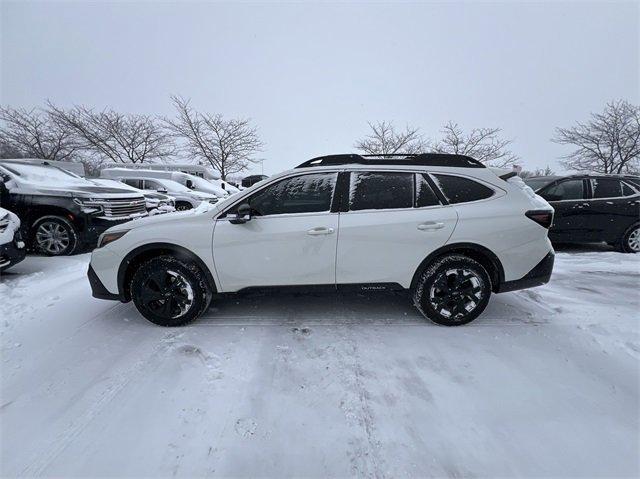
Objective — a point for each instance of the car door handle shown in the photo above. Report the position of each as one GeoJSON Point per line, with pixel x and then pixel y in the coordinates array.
{"type": "Point", "coordinates": [430, 226]}
{"type": "Point", "coordinates": [320, 230]}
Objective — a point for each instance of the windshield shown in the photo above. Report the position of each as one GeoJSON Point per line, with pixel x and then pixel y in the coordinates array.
{"type": "Point", "coordinates": [42, 174]}
{"type": "Point", "coordinates": [171, 185]}
{"type": "Point", "coordinates": [537, 183]}
{"type": "Point", "coordinates": [113, 184]}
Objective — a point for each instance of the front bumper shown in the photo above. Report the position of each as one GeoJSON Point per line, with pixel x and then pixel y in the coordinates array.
{"type": "Point", "coordinates": [539, 275]}
{"type": "Point", "coordinates": [12, 253]}
{"type": "Point", "coordinates": [98, 289]}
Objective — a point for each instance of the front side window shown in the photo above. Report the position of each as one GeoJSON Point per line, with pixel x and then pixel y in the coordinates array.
{"type": "Point", "coordinates": [608, 188]}
{"type": "Point", "coordinates": [380, 190]}
{"type": "Point", "coordinates": [565, 190]}
{"type": "Point", "coordinates": [151, 185]}
{"type": "Point", "coordinates": [132, 182]}
{"type": "Point", "coordinates": [300, 194]}
{"type": "Point", "coordinates": [461, 190]}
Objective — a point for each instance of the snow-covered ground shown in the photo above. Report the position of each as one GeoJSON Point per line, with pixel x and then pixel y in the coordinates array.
{"type": "Point", "coordinates": [545, 383]}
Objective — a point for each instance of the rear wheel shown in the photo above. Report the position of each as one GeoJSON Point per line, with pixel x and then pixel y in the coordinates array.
{"type": "Point", "coordinates": [453, 291]}
{"type": "Point", "coordinates": [630, 242]}
{"type": "Point", "coordinates": [183, 206]}
{"type": "Point", "coordinates": [169, 291]}
{"type": "Point", "coordinates": [54, 236]}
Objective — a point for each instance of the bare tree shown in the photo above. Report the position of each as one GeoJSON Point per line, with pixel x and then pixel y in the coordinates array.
{"type": "Point", "coordinates": [483, 144]}
{"type": "Point", "coordinates": [546, 171]}
{"type": "Point", "coordinates": [609, 142]}
{"type": "Point", "coordinates": [34, 134]}
{"type": "Point", "coordinates": [109, 135]}
{"type": "Point", "coordinates": [385, 139]}
{"type": "Point", "coordinates": [227, 145]}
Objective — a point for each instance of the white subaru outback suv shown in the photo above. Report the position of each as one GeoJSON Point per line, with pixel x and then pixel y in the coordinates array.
{"type": "Point", "coordinates": [444, 227]}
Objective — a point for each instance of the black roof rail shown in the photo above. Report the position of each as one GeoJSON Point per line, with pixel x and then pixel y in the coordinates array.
{"type": "Point", "coordinates": [421, 159]}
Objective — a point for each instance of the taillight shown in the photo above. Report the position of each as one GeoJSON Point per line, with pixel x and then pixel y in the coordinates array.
{"type": "Point", "coordinates": [543, 217]}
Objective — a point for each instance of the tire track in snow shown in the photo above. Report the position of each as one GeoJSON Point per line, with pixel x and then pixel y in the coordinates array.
{"type": "Point", "coordinates": [44, 458]}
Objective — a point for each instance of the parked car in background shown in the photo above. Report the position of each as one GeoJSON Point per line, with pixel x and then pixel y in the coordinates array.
{"type": "Point", "coordinates": [592, 208]}
{"type": "Point", "coordinates": [61, 211]}
{"type": "Point", "coordinates": [251, 180]}
{"type": "Point", "coordinates": [195, 183]}
{"type": "Point", "coordinates": [12, 248]}
{"type": "Point", "coordinates": [185, 198]}
{"type": "Point", "coordinates": [156, 202]}
{"type": "Point", "coordinates": [444, 227]}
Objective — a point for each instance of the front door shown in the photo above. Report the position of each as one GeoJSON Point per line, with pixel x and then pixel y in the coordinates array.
{"type": "Point", "coordinates": [290, 239]}
{"type": "Point", "coordinates": [569, 200]}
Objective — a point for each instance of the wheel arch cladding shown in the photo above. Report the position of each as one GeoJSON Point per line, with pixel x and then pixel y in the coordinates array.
{"type": "Point", "coordinates": [137, 256]}
{"type": "Point", "coordinates": [481, 254]}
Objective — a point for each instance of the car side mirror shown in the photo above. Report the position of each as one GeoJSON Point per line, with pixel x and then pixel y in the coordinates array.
{"type": "Point", "coordinates": [162, 190]}
{"type": "Point", "coordinates": [243, 214]}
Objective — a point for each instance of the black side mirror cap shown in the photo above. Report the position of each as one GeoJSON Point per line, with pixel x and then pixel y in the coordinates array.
{"type": "Point", "coordinates": [243, 214]}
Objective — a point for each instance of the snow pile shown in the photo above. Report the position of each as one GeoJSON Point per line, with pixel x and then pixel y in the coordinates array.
{"type": "Point", "coordinates": [545, 383]}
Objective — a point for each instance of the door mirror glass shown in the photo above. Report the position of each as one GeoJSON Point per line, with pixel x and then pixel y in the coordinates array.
{"type": "Point", "coordinates": [242, 215]}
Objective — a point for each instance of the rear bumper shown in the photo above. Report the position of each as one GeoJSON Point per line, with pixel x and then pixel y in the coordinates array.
{"type": "Point", "coordinates": [12, 253]}
{"type": "Point", "coordinates": [539, 275]}
{"type": "Point", "coordinates": [98, 289]}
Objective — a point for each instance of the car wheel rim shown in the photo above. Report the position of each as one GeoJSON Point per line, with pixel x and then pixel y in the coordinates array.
{"type": "Point", "coordinates": [168, 294]}
{"type": "Point", "coordinates": [456, 293]}
{"type": "Point", "coordinates": [634, 240]}
{"type": "Point", "coordinates": [52, 237]}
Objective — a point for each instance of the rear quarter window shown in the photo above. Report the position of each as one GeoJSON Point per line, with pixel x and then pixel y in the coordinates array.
{"type": "Point", "coordinates": [462, 190]}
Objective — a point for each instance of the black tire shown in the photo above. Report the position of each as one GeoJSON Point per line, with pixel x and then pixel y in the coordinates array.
{"type": "Point", "coordinates": [630, 241]}
{"type": "Point", "coordinates": [452, 291]}
{"type": "Point", "coordinates": [54, 236]}
{"type": "Point", "coordinates": [183, 206]}
{"type": "Point", "coordinates": [169, 291]}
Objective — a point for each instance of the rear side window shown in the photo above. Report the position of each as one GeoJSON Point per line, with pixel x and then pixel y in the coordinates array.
{"type": "Point", "coordinates": [565, 190]}
{"type": "Point", "coordinates": [424, 193]}
{"type": "Point", "coordinates": [300, 194]}
{"type": "Point", "coordinates": [608, 188]}
{"type": "Point", "coordinates": [380, 190]}
{"type": "Point", "coordinates": [461, 190]}
{"type": "Point", "coordinates": [627, 190]}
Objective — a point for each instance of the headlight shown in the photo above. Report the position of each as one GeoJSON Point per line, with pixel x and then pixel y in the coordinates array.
{"type": "Point", "coordinates": [88, 205]}
{"type": "Point", "coordinates": [106, 238]}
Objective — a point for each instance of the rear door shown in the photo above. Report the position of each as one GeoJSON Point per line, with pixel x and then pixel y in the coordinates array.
{"type": "Point", "coordinates": [569, 200]}
{"type": "Point", "coordinates": [290, 239]}
{"type": "Point", "coordinates": [390, 223]}
{"type": "Point", "coordinates": [613, 207]}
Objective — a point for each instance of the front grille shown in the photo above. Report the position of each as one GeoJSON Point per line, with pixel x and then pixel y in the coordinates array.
{"type": "Point", "coordinates": [120, 207]}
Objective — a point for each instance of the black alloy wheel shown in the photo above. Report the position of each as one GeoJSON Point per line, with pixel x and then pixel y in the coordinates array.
{"type": "Point", "coordinates": [453, 291]}
{"type": "Point", "coordinates": [169, 291]}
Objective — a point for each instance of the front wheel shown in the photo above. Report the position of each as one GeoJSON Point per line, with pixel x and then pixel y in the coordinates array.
{"type": "Point", "coordinates": [54, 236]}
{"type": "Point", "coordinates": [183, 206]}
{"type": "Point", "coordinates": [169, 291]}
{"type": "Point", "coordinates": [630, 242]}
{"type": "Point", "coordinates": [453, 291]}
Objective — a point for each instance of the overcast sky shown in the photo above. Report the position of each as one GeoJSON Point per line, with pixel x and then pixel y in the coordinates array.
{"type": "Point", "coordinates": [311, 75]}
